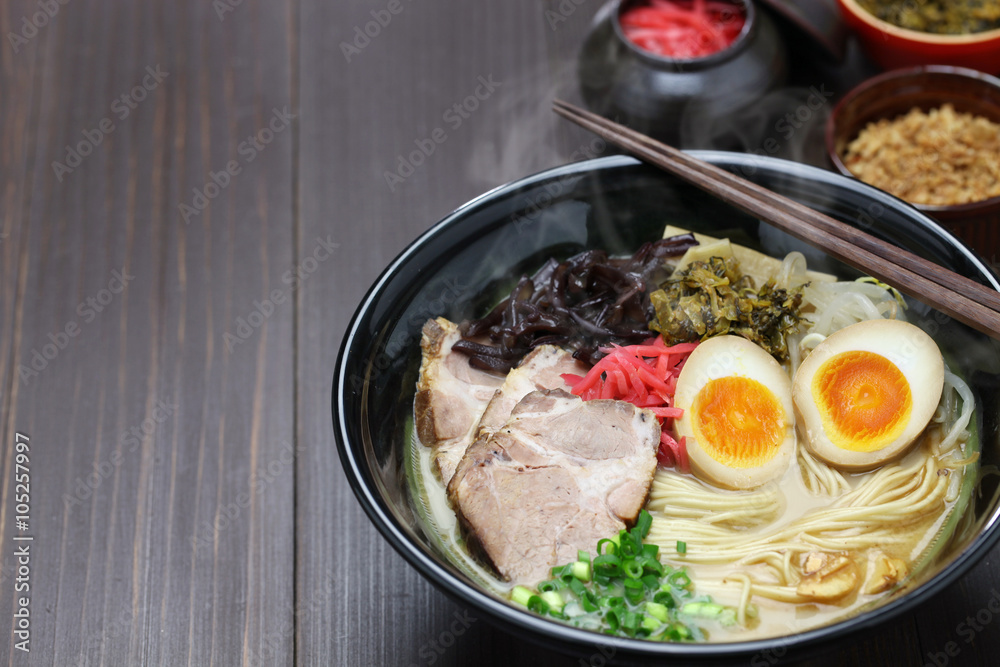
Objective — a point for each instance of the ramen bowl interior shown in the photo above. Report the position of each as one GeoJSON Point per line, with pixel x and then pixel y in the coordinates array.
{"type": "Point", "coordinates": [461, 267]}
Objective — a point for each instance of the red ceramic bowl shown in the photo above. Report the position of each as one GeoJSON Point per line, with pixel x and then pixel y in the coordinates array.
{"type": "Point", "coordinates": [893, 94]}
{"type": "Point", "coordinates": [892, 47]}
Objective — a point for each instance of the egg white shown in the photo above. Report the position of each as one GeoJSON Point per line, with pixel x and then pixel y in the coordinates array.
{"type": "Point", "coordinates": [907, 347]}
{"type": "Point", "coordinates": [733, 356]}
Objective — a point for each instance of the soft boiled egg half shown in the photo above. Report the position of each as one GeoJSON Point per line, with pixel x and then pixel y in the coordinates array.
{"type": "Point", "coordinates": [866, 392]}
{"type": "Point", "coordinates": [738, 419]}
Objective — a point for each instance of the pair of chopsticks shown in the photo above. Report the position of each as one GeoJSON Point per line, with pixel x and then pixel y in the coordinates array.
{"type": "Point", "coordinates": [959, 297]}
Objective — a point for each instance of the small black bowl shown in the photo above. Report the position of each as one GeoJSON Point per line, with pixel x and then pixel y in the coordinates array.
{"type": "Point", "coordinates": [661, 96]}
{"type": "Point", "coordinates": [462, 265]}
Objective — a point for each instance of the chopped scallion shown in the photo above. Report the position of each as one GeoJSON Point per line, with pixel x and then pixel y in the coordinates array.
{"type": "Point", "coordinates": [538, 605]}
{"type": "Point", "coordinates": [704, 609]}
{"type": "Point", "coordinates": [679, 579]}
{"type": "Point", "coordinates": [521, 595]}
{"type": "Point", "coordinates": [651, 624]}
{"type": "Point", "coordinates": [554, 600]}
{"type": "Point", "coordinates": [624, 590]}
{"type": "Point", "coordinates": [589, 602]}
{"type": "Point", "coordinates": [643, 523]}
{"type": "Point", "coordinates": [632, 569]}
{"type": "Point", "coordinates": [633, 590]}
{"type": "Point", "coordinates": [657, 611]}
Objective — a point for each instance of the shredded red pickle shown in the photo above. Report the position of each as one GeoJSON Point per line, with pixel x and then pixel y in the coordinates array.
{"type": "Point", "coordinates": [646, 376]}
{"type": "Point", "coordinates": [682, 29]}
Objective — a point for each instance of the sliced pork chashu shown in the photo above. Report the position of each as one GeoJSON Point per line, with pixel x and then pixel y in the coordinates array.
{"type": "Point", "coordinates": [543, 368]}
{"type": "Point", "coordinates": [455, 402]}
{"type": "Point", "coordinates": [451, 396]}
{"type": "Point", "coordinates": [560, 475]}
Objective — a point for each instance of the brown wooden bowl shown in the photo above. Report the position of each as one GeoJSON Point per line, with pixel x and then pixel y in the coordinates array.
{"type": "Point", "coordinates": [893, 94]}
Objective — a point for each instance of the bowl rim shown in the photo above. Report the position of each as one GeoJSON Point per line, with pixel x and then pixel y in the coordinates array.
{"type": "Point", "coordinates": [953, 71]}
{"type": "Point", "coordinates": [872, 21]}
{"type": "Point", "coordinates": [459, 587]}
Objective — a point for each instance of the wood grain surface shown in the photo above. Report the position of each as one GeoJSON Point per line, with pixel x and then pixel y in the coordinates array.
{"type": "Point", "coordinates": [162, 454]}
{"type": "Point", "coordinates": [171, 366]}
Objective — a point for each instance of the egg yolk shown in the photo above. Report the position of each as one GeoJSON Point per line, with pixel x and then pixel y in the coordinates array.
{"type": "Point", "coordinates": [738, 422]}
{"type": "Point", "coordinates": [863, 399]}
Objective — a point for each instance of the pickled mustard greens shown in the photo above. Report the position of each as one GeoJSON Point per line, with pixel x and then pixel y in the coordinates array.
{"type": "Point", "coordinates": [626, 591]}
{"type": "Point", "coordinates": [710, 298]}
{"type": "Point", "coordinates": [945, 17]}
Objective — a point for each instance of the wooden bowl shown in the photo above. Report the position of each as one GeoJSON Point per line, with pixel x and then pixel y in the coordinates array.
{"type": "Point", "coordinates": [893, 94]}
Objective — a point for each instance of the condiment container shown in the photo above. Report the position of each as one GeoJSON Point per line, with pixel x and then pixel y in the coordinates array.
{"type": "Point", "coordinates": [667, 97]}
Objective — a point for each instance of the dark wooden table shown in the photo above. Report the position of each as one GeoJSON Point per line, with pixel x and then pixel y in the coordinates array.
{"type": "Point", "coordinates": [194, 199]}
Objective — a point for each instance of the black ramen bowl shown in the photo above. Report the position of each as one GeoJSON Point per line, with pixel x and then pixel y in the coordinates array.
{"type": "Point", "coordinates": [467, 262]}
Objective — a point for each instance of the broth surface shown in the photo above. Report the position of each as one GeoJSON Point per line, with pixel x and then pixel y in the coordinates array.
{"type": "Point", "coordinates": [773, 618]}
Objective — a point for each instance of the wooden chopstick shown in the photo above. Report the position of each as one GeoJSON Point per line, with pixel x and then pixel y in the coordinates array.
{"type": "Point", "coordinates": [855, 236]}
{"type": "Point", "coordinates": [958, 296]}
